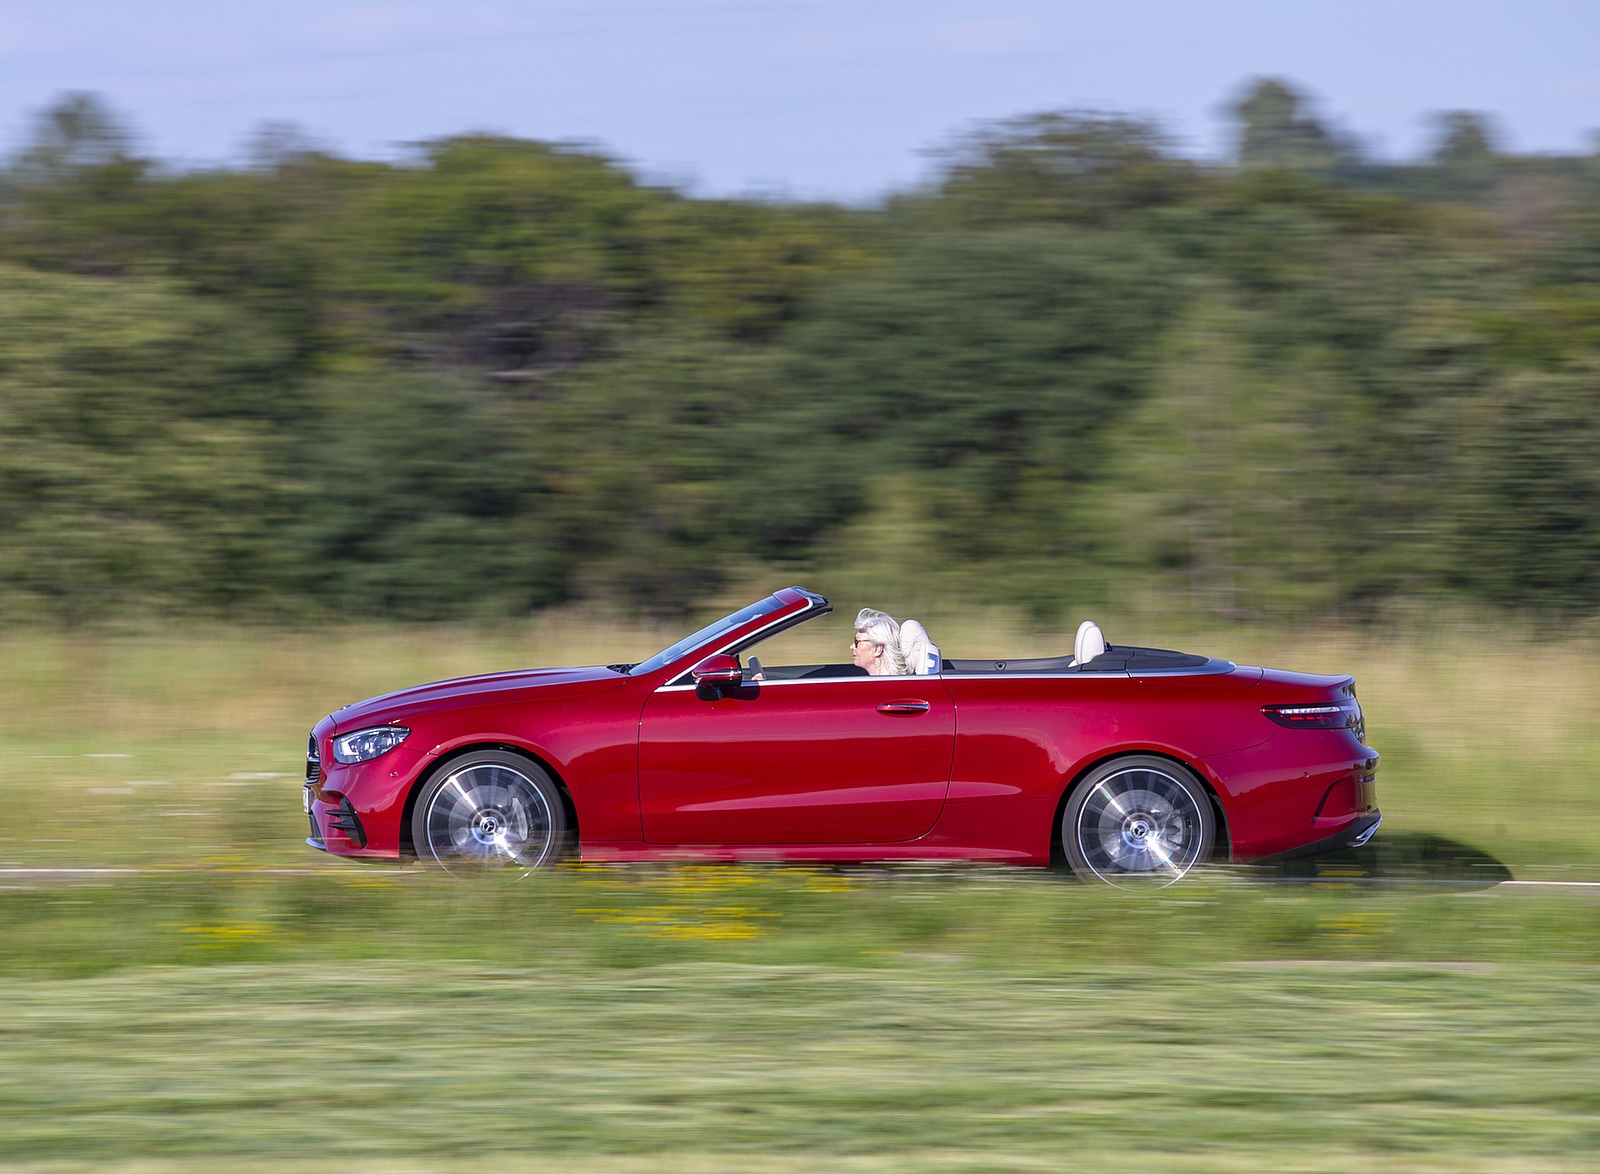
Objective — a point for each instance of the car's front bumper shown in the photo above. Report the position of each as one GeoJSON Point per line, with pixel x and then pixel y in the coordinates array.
{"type": "Point", "coordinates": [357, 809]}
{"type": "Point", "coordinates": [336, 818]}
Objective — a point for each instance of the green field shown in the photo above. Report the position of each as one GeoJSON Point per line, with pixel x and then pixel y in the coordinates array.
{"type": "Point", "coordinates": [213, 1010]}
{"type": "Point", "coordinates": [717, 1066]}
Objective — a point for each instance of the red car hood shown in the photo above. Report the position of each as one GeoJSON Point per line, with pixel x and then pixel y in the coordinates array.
{"type": "Point", "coordinates": [437, 695]}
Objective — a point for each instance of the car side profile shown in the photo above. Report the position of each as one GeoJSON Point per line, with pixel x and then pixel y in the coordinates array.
{"type": "Point", "coordinates": [1131, 764]}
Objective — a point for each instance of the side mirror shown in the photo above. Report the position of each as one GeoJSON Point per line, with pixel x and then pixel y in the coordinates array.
{"type": "Point", "coordinates": [717, 672]}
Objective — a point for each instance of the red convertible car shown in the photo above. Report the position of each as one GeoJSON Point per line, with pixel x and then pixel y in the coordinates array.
{"type": "Point", "coordinates": [1131, 764]}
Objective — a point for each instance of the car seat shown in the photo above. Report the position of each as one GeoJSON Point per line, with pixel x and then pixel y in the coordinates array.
{"type": "Point", "coordinates": [921, 654]}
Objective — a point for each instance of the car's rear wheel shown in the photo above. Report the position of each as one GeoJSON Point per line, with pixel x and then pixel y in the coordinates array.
{"type": "Point", "coordinates": [489, 809]}
{"type": "Point", "coordinates": [1138, 821]}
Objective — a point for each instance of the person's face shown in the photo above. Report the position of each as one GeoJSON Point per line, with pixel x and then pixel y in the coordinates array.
{"type": "Point", "coordinates": [866, 654]}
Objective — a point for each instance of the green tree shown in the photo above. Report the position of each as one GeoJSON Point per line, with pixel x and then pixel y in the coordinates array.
{"type": "Point", "coordinates": [75, 190]}
{"type": "Point", "coordinates": [1276, 130]}
{"type": "Point", "coordinates": [420, 501]}
{"type": "Point", "coordinates": [1073, 167]}
{"type": "Point", "coordinates": [1526, 520]}
{"type": "Point", "coordinates": [984, 367]}
{"type": "Point", "coordinates": [138, 471]}
{"type": "Point", "coordinates": [1463, 137]}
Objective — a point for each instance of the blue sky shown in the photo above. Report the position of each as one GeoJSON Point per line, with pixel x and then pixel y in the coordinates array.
{"type": "Point", "coordinates": [809, 98]}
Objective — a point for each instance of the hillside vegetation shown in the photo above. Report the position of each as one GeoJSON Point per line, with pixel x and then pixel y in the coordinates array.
{"type": "Point", "coordinates": [504, 374]}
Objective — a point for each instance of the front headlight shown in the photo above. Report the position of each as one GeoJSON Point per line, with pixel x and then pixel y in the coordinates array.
{"type": "Point", "coordinates": [365, 745]}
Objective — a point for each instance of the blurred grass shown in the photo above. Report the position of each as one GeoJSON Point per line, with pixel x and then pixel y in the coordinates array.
{"type": "Point", "coordinates": [726, 1067]}
{"type": "Point", "coordinates": [587, 917]}
{"type": "Point", "coordinates": [188, 744]}
{"type": "Point", "coordinates": [215, 1011]}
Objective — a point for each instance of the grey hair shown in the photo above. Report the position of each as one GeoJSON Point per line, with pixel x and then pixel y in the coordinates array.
{"type": "Point", "coordinates": [881, 628]}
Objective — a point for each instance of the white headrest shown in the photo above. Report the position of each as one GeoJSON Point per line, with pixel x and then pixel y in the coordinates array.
{"type": "Point", "coordinates": [921, 655]}
{"type": "Point", "coordinates": [1091, 642]}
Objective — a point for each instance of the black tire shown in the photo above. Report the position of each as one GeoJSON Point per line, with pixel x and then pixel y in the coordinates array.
{"type": "Point", "coordinates": [1138, 821]}
{"type": "Point", "coordinates": [489, 809]}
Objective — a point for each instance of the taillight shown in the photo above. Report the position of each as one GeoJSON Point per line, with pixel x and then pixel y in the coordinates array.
{"type": "Point", "coordinates": [1340, 715]}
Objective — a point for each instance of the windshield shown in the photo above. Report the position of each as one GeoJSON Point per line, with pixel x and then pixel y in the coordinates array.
{"type": "Point", "coordinates": [708, 633]}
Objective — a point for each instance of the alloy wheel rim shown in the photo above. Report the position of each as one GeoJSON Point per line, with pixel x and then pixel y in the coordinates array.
{"type": "Point", "coordinates": [489, 816]}
{"type": "Point", "coordinates": [1139, 828]}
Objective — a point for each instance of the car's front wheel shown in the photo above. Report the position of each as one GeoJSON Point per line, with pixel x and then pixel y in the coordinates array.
{"type": "Point", "coordinates": [489, 809]}
{"type": "Point", "coordinates": [1139, 820]}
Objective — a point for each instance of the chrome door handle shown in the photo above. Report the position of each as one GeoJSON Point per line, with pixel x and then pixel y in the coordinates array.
{"type": "Point", "coordinates": [903, 707]}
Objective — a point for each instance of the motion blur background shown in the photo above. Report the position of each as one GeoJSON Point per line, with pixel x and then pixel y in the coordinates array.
{"type": "Point", "coordinates": [1238, 361]}
{"type": "Point", "coordinates": [1264, 330]}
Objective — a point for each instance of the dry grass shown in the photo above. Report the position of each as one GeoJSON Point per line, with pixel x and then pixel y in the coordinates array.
{"type": "Point", "coordinates": [166, 746]}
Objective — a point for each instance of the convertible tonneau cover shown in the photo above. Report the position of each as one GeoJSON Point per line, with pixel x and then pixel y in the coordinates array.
{"type": "Point", "coordinates": [1120, 658]}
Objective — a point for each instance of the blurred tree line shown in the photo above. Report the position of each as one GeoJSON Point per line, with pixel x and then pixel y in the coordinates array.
{"type": "Point", "coordinates": [504, 374]}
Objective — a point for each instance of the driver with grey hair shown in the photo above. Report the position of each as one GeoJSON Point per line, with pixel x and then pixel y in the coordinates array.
{"type": "Point", "coordinates": [886, 648]}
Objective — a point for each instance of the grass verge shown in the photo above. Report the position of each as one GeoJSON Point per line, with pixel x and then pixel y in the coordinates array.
{"type": "Point", "coordinates": [720, 1018]}
{"type": "Point", "coordinates": [209, 1013]}
{"type": "Point", "coordinates": [588, 917]}
{"type": "Point", "coordinates": [914, 1065]}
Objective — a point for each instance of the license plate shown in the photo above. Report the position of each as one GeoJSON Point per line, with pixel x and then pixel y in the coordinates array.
{"type": "Point", "coordinates": [305, 799]}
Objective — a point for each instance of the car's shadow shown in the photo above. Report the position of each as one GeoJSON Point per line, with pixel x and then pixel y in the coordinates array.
{"type": "Point", "coordinates": [1418, 857]}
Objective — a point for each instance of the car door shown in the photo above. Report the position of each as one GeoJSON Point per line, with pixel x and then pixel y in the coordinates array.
{"type": "Point", "coordinates": [851, 760]}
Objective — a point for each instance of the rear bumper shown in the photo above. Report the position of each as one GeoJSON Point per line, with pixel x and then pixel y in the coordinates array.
{"type": "Point", "coordinates": [1353, 835]}
{"type": "Point", "coordinates": [1298, 792]}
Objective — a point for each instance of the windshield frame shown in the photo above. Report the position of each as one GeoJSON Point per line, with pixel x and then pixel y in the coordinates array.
{"type": "Point", "coordinates": [760, 609]}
